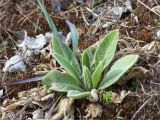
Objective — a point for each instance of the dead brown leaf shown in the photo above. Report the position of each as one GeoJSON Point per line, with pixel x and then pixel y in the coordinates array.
{"type": "Point", "coordinates": [94, 110]}
{"type": "Point", "coordinates": [119, 98]}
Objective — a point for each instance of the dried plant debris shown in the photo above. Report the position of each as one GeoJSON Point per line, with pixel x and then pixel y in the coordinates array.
{"type": "Point", "coordinates": [15, 105]}
{"type": "Point", "coordinates": [156, 9]}
{"type": "Point", "coordinates": [3, 46]}
{"type": "Point", "coordinates": [119, 98]}
{"type": "Point", "coordinates": [152, 48]}
{"type": "Point", "coordinates": [107, 14]}
{"type": "Point", "coordinates": [94, 110]}
{"type": "Point", "coordinates": [7, 115]}
{"type": "Point", "coordinates": [34, 99]}
{"type": "Point", "coordinates": [47, 97]}
{"type": "Point", "coordinates": [65, 110]}
{"type": "Point", "coordinates": [134, 73]}
{"type": "Point", "coordinates": [29, 47]}
{"type": "Point", "coordinates": [37, 93]}
{"type": "Point", "coordinates": [15, 64]}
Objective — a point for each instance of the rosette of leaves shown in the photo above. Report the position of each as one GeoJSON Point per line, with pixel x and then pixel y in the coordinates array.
{"type": "Point", "coordinates": [85, 79]}
{"type": "Point", "coordinates": [93, 73]}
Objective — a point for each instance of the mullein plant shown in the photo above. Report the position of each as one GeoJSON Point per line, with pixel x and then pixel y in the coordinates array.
{"type": "Point", "coordinates": [93, 73]}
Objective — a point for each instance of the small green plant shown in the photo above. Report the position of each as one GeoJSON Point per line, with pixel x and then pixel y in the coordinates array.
{"type": "Point", "coordinates": [85, 79]}
{"type": "Point", "coordinates": [107, 97]}
{"type": "Point", "coordinates": [93, 73]}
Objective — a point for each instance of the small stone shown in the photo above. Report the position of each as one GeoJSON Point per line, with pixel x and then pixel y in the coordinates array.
{"type": "Point", "coordinates": [38, 114]}
{"type": "Point", "coordinates": [158, 34]}
{"type": "Point", "coordinates": [15, 64]}
{"type": "Point", "coordinates": [1, 93]}
{"type": "Point", "coordinates": [128, 5]}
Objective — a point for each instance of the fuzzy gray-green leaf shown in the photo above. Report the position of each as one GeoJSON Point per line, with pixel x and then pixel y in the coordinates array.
{"type": "Point", "coordinates": [61, 49]}
{"type": "Point", "coordinates": [77, 94]}
{"type": "Point", "coordinates": [117, 70]}
{"type": "Point", "coordinates": [63, 82]}
{"type": "Point", "coordinates": [67, 65]}
{"type": "Point", "coordinates": [90, 51]}
{"type": "Point", "coordinates": [64, 51]}
{"type": "Point", "coordinates": [97, 74]}
{"type": "Point", "coordinates": [106, 50]}
{"type": "Point", "coordinates": [87, 78]}
{"type": "Point", "coordinates": [85, 59]}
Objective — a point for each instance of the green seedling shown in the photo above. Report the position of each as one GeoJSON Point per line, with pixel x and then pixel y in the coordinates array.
{"type": "Point", "coordinates": [107, 97]}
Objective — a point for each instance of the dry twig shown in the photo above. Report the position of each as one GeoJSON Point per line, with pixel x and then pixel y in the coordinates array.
{"type": "Point", "coordinates": [25, 106]}
{"type": "Point", "coordinates": [148, 8]}
{"type": "Point", "coordinates": [142, 106]}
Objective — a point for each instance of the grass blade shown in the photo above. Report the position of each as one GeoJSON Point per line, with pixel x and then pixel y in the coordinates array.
{"type": "Point", "coordinates": [49, 20]}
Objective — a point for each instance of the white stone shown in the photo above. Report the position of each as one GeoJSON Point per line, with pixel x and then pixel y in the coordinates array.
{"type": "Point", "coordinates": [158, 34]}
{"type": "Point", "coordinates": [14, 64]}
